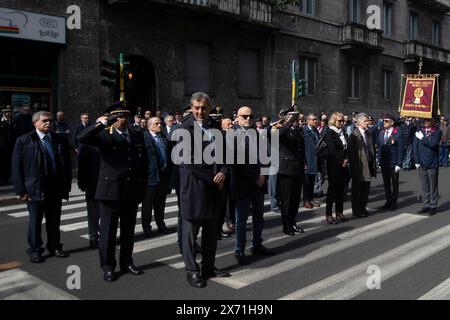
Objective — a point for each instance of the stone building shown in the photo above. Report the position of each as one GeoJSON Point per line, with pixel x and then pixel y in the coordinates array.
{"type": "Point", "coordinates": [239, 51]}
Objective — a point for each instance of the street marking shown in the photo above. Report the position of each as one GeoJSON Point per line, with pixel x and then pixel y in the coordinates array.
{"type": "Point", "coordinates": [246, 277]}
{"type": "Point", "coordinates": [440, 292]}
{"type": "Point", "coordinates": [17, 284]}
{"type": "Point", "coordinates": [23, 206]}
{"type": "Point", "coordinates": [351, 282]}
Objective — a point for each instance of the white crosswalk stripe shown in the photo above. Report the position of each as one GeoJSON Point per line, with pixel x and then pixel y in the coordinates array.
{"type": "Point", "coordinates": [440, 292]}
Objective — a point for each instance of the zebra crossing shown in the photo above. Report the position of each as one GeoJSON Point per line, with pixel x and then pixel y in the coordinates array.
{"type": "Point", "coordinates": [343, 284]}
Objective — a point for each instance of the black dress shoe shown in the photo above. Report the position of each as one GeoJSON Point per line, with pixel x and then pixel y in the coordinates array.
{"type": "Point", "coordinates": [289, 231]}
{"type": "Point", "coordinates": [131, 268]}
{"type": "Point", "coordinates": [163, 230]}
{"type": "Point", "coordinates": [241, 258]}
{"type": "Point", "coordinates": [148, 233]}
{"type": "Point", "coordinates": [216, 273]}
{"type": "Point", "coordinates": [59, 254]}
{"type": "Point", "coordinates": [195, 279]}
{"type": "Point", "coordinates": [36, 258]}
{"type": "Point", "coordinates": [93, 244]}
{"type": "Point", "coordinates": [385, 206]}
{"type": "Point", "coordinates": [330, 220]}
{"type": "Point", "coordinates": [297, 229]}
{"type": "Point", "coordinates": [423, 210]}
{"type": "Point", "coordinates": [262, 251]}
{"type": "Point", "coordinates": [432, 211]}
{"type": "Point", "coordinates": [108, 276]}
{"type": "Point", "coordinates": [225, 235]}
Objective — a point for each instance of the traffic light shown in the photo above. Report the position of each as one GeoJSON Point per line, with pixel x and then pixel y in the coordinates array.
{"type": "Point", "coordinates": [129, 78]}
{"type": "Point", "coordinates": [302, 88]}
{"type": "Point", "coordinates": [111, 74]}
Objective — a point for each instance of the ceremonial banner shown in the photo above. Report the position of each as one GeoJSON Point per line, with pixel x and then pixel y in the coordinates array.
{"type": "Point", "coordinates": [418, 97]}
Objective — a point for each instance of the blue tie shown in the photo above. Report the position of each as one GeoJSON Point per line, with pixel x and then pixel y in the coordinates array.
{"type": "Point", "coordinates": [49, 154]}
{"type": "Point", "coordinates": [162, 151]}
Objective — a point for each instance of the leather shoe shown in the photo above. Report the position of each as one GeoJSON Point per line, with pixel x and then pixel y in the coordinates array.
{"type": "Point", "coordinates": [330, 220]}
{"type": "Point", "coordinates": [423, 210]}
{"type": "Point", "coordinates": [148, 233]}
{"type": "Point", "coordinates": [241, 258]}
{"type": "Point", "coordinates": [297, 229]}
{"type": "Point", "coordinates": [387, 205]}
{"type": "Point", "coordinates": [59, 254]}
{"type": "Point", "coordinates": [216, 273]}
{"type": "Point", "coordinates": [315, 204]}
{"type": "Point", "coordinates": [308, 205]}
{"type": "Point", "coordinates": [93, 244]}
{"type": "Point", "coordinates": [195, 279]}
{"type": "Point", "coordinates": [36, 258]}
{"type": "Point", "coordinates": [225, 235]}
{"type": "Point", "coordinates": [108, 276]}
{"type": "Point", "coordinates": [163, 229]}
{"type": "Point", "coordinates": [432, 211]}
{"type": "Point", "coordinates": [289, 231]}
{"type": "Point", "coordinates": [131, 268]}
{"type": "Point", "coordinates": [262, 251]}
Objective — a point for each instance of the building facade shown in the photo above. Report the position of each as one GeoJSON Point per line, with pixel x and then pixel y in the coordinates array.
{"type": "Point", "coordinates": [239, 51]}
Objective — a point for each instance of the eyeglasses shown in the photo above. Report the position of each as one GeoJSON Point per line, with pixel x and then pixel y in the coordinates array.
{"type": "Point", "coordinates": [341, 121]}
{"type": "Point", "coordinates": [246, 116]}
{"type": "Point", "coordinates": [387, 120]}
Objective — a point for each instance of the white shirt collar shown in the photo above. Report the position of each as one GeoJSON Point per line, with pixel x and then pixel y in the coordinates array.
{"type": "Point", "coordinates": [363, 133]}
{"type": "Point", "coordinates": [120, 132]}
{"type": "Point", "coordinates": [41, 135]}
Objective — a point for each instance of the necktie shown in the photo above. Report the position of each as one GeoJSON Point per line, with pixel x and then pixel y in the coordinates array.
{"type": "Point", "coordinates": [386, 135]}
{"type": "Point", "coordinates": [162, 151]}
{"type": "Point", "coordinates": [125, 137]}
{"type": "Point", "coordinates": [49, 155]}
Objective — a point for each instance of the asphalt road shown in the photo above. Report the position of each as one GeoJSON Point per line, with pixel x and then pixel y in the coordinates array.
{"type": "Point", "coordinates": [409, 251]}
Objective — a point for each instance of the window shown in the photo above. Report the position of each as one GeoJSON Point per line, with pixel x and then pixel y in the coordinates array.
{"type": "Point", "coordinates": [353, 11]}
{"type": "Point", "coordinates": [248, 73]}
{"type": "Point", "coordinates": [387, 19]}
{"type": "Point", "coordinates": [436, 33]}
{"type": "Point", "coordinates": [307, 71]}
{"type": "Point", "coordinates": [197, 67]}
{"type": "Point", "coordinates": [355, 81]}
{"type": "Point", "coordinates": [307, 6]}
{"type": "Point", "coordinates": [413, 26]}
{"type": "Point", "coordinates": [387, 84]}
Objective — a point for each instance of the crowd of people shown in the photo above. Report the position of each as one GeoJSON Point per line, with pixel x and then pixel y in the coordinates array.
{"type": "Point", "coordinates": [125, 159]}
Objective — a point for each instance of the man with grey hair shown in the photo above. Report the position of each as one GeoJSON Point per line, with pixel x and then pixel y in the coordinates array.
{"type": "Point", "coordinates": [42, 177]}
{"type": "Point", "coordinates": [169, 122]}
{"type": "Point", "coordinates": [362, 164]}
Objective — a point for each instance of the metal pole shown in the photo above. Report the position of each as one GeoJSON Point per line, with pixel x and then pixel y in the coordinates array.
{"type": "Point", "coordinates": [122, 82]}
{"type": "Point", "coordinates": [294, 83]}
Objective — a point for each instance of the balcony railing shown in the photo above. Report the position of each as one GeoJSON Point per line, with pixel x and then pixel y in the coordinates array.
{"type": "Point", "coordinates": [358, 35]}
{"type": "Point", "coordinates": [256, 10]}
{"type": "Point", "coordinates": [416, 49]}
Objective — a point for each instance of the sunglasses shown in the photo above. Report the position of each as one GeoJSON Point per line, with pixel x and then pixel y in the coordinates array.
{"type": "Point", "coordinates": [387, 120]}
{"type": "Point", "coordinates": [341, 121]}
{"type": "Point", "coordinates": [246, 116]}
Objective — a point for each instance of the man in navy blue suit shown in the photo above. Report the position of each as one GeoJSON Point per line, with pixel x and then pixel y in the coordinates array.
{"type": "Point", "coordinates": [390, 158]}
{"type": "Point", "coordinates": [426, 159]}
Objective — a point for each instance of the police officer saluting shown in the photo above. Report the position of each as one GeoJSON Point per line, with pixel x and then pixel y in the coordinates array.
{"type": "Point", "coordinates": [121, 185]}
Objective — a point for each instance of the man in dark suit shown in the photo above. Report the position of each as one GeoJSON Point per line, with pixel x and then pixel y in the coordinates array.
{"type": "Point", "coordinates": [291, 171]}
{"type": "Point", "coordinates": [158, 178]}
{"type": "Point", "coordinates": [198, 190]}
{"type": "Point", "coordinates": [23, 121]}
{"type": "Point", "coordinates": [7, 140]}
{"type": "Point", "coordinates": [42, 176]}
{"type": "Point", "coordinates": [311, 138]}
{"type": "Point", "coordinates": [121, 185]}
{"type": "Point", "coordinates": [61, 127]}
{"type": "Point", "coordinates": [248, 185]}
{"type": "Point", "coordinates": [390, 158]}
{"type": "Point", "coordinates": [426, 159]}
{"type": "Point", "coordinates": [84, 117]}
{"type": "Point", "coordinates": [407, 129]}
{"type": "Point", "coordinates": [362, 165]}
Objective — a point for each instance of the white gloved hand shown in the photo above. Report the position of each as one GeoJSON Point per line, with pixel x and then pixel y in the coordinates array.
{"type": "Point", "coordinates": [419, 135]}
{"type": "Point", "coordinates": [417, 166]}
{"type": "Point", "coordinates": [397, 169]}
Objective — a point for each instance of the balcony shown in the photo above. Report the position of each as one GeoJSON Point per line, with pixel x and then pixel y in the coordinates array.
{"type": "Point", "coordinates": [255, 10]}
{"type": "Point", "coordinates": [415, 49]}
{"type": "Point", "coordinates": [437, 5]}
{"type": "Point", "coordinates": [356, 36]}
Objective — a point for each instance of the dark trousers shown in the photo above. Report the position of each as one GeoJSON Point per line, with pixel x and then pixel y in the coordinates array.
{"type": "Point", "coordinates": [390, 181]}
{"type": "Point", "coordinates": [335, 194]}
{"type": "Point", "coordinates": [308, 187]}
{"type": "Point", "coordinates": [51, 209]}
{"type": "Point", "coordinates": [93, 213]}
{"type": "Point", "coordinates": [209, 243]}
{"type": "Point", "coordinates": [429, 179]}
{"type": "Point", "coordinates": [230, 213]}
{"type": "Point", "coordinates": [155, 200]}
{"type": "Point", "coordinates": [110, 213]}
{"type": "Point", "coordinates": [360, 196]}
{"type": "Point", "coordinates": [5, 164]}
{"type": "Point", "coordinates": [222, 209]}
{"type": "Point", "coordinates": [289, 190]}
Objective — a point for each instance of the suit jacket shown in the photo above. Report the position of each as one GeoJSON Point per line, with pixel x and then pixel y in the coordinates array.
{"type": "Point", "coordinates": [312, 137]}
{"type": "Point", "coordinates": [292, 151]}
{"type": "Point", "coordinates": [361, 157]}
{"type": "Point", "coordinates": [156, 168]}
{"type": "Point", "coordinates": [426, 151]}
{"type": "Point", "coordinates": [30, 167]}
{"type": "Point", "coordinates": [336, 173]}
{"type": "Point", "coordinates": [197, 189]}
{"type": "Point", "coordinates": [408, 131]}
{"type": "Point", "coordinates": [80, 128]}
{"type": "Point", "coordinates": [123, 165]}
{"type": "Point", "coordinates": [390, 153]}
{"type": "Point", "coordinates": [7, 135]}
{"type": "Point", "coordinates": [244, 172]}
{"type": "Point", "coordinates": [88, 169]}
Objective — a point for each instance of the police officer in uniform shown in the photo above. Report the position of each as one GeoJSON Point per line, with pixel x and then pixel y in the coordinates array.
{"type": "Point", "coordinates": [121, 185]}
